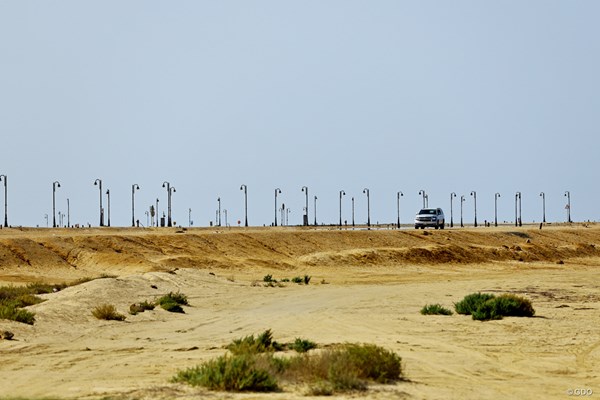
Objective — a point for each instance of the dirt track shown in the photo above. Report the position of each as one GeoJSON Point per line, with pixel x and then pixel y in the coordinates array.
{"type": "Point", "coordinates": [367, 286]}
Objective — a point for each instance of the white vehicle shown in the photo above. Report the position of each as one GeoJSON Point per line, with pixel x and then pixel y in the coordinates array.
{"type": "Point", "coordinates": [432, 217]}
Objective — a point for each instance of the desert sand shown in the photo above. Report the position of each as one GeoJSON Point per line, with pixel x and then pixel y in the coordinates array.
{"type": "Point", "coordinates": [367, 286]}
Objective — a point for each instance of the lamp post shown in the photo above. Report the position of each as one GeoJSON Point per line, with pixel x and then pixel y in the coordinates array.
{"type": "Point", "coordinates": [108, 197]}
{"type": "Point", "coordinates": [276, 191]}
{"type": "Point", "coordinates": [46, 217]}
{"type": "Point", "coordinates": [98, 182]}
{"type": "Point", "coordinates": [157, 216]}
{"type": "Point", "coordinates": [68, 213]}
{"type": "Point", "coordinates": [422, 193]}
{"type": "Point", "coordinates": [225, 212]}
{"type": "Point", "coordinates": [147, 217]}
{"type": "Point", "coordinates": [518, 221]}
{"type": "Point", "coordinates": [474, 194]}
{"type": "Point", "coordinates": [452, 195]}
{"type": "Point", "coordinates": [543, 196]}
{"type": "Point", "coordinates": [245, 189]}
{"type": "Point", "coordinates": [352, 211]}
{"type": "Point", "coordinates": [305, 190]}
{"type": "Point", "coordinates": [365, 190]}
{"type": "Point", "coordinates": [4, 179]}
{"type": "Point", "coordinates": [462, 200]}
{"type": "Point", "coordinates": [60, 219]}
{"type": "Point", "coordinates": [55, 184]}
{"type": "Point", "coordinates": [342, 193]}
{"type": "Point", "coordinates": [287, 216]}
{"type": "Point", "coordinates": [496, 208]}
{"type": "Point", "coordinates": [190, 217]}
{"type": "Point", "coordinates": [568, 195]}
{"type": "Point", "coordinates": [134, 187]}
{"type": "Point", "coordinates": [315, 210]}
{"type": "Point", "coordinates": [167, 185]}
{"type": "Point", "coordinates": [398, 206]}
{"type": "Point", "coordinates": [219, 212]}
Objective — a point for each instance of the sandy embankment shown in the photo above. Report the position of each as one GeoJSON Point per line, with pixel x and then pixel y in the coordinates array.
{"type": "Point", "coordinates": [367, 286]}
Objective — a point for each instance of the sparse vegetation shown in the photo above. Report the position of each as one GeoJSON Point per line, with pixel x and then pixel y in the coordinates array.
{"type": "Point", "coordinates": [172, 302]}
{"type": "Point", "coordinates": [107, 312]}
{"type": "Point", "coordinates": [253, 366]}
{"type": "Point", "coordinates": [11, 310]}
{"type": "Point", "coordinates": [435, 309]}
{"type": "Point", "coordinates": [297, 279]}
{"type": "Point", "coordinates": [485, 307]}
{"type": "Point", "coordinates": [302, 345]}
{"type": "Point", "coordinates": [306, 279]}
{"type": "Point", "coordinates": [136, 308]}
{"type": "Point", "coordinates": [7, 335]}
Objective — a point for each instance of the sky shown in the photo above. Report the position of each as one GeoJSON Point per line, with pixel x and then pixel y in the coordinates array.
{"type": "Point", "coordinates": [462, 96]}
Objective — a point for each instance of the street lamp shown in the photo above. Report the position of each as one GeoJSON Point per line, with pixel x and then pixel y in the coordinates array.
{"type": "Point", "coordinates": [342, 193]}
{"type": "Point", "coordinates": [189, 217]}
{"type": "Point", "coordinates": [276, 191]}
{"type": "Point", "coordinates": [3, 178]}
{"type": "Point", "coordinates": [422, 193]}
{"type": "Point", "coordinates": [134, 187]}
{"type": "Point", "coordinates": [496, 208]}
{"type": "Point", "coordinates": [462, 200]}
{"type": "Point", "coordinates": [518, 221]}
{"type": "Point", "coordinates": [287, 216]}
{"type": "Point", "coordinates": [474, 194]}
{"type": "Point", "coordinates": [55, 184]}
{"type": "Point", "coordinates": [452, 195]}
{"type": "Point", "coordinates": [245, 189]}
{"type": "Point", "coordinates": [167, 185]}
{"type": "Point", "coordinates": [398, 206]}
{"type": "Point", "coordinates": [365, 190]}
{"type": "Point", "coordinates": [68, 213]}
{"type": "Point", "coordinates": [98, 182]}
{"type": "Point", "coordinates": [305, 190]}
{"type": "Point", "coordinates": [315, 211]}
{"type": "Point", "coordinates": [157, 216]}
{"type": "Point", "coordinates": [108, 196]}
{"type": "Point", "coordinates": [568, 194]}
{"type": "Point", "coordinates": [219, 215]}
{"type": "Point", "coordinates": [352, 211]}
{"type": "Point", "coordinates": [46, 217]}
{"type": "Point", "coordinates": [543, 195]}
{"type": "Point", "coordinates": [225, 212]}
{"type": "Point", "coordinates": [147, 217]}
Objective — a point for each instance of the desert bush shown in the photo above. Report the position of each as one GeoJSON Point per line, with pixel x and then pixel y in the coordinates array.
{"type": "Point", "coordinates": [250, 345]}
{"type": "Point", "coordinates": [269, 278]}
{"type": "Point", "coordinates": [297, 279]}
{"type": "Point", "coordinates": [11, 310]}
{"type": "Point", "coordinates": [485, 307]}
{"type": "Point", "coordinates": [254, 367]}
{"type": "Point", "coordinates": [435, 309]}
{"type": "Point", "coordinates": [107, 312]}
{"type": "Point", "coordinates": [470, 303]}
{"type": "Point", "coordinates": [172, 302]}
{"type": "Point", "coordinates": [136, 308]}
{"type": "Point", "coordinates": [306, 279]}
{"type": "Point", "coordinates": [302, 345]}
{"type": "Point", "coordinates": [230, 373]}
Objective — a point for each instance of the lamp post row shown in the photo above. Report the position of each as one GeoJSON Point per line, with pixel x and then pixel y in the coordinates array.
{"type": "Point", "coordinates": [171, 190]}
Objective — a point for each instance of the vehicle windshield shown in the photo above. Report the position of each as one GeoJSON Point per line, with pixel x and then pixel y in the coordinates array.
{"type": "Point", "coordinates": [427, 211]}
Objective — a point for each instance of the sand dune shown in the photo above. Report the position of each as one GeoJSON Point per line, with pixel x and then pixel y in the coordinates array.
{"type": "Point", "coordinates": [367, 286]}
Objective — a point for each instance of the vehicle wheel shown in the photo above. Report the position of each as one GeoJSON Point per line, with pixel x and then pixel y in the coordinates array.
{"type": "Point", "coordinates": [416, 227]}
{"type": "Point", "coordinates": [437, 227]}
{"type": "Point", "coordinates": [442, 226]}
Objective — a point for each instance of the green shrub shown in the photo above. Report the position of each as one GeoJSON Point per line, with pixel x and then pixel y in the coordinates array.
{"type": "Point", "coordinates": [471, 303]}
{"type": "Point", "coordinates": [230, 373]}
{"type": "Point", "coordinates": [297, 279]}
{"type": "Point", "coordinates": [172, 302]}
{"type": "Point", "coordinates": [269, 279]}
{"type": "Point", "coordinates": [485, 307]}
{"type": "Point", "coordinates": [435, 309]}
{"type": "Point", "coordinates": [11, 310]}
{"type": "Point", "coordinates": [140, 307]}
{"type": "Point", "coordinates": [253, 367]}
{"type": "Point", "coordinates": [306, 279]}
{"type": "Point", "coordinates": [302, 345]}
{"type": "Point", "coordinates": [250, 345]}
{"type": "Point", "coordinates": [107, 312]}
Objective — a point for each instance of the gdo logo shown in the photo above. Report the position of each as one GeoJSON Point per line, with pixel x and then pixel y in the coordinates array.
{"type": "Point", "coordinates": [580, 392]}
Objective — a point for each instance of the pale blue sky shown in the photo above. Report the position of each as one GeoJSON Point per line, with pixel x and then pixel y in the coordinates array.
{"type": "Point", "coordinates": [446, 96]}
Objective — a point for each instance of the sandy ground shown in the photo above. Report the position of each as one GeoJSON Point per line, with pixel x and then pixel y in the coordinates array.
{"type": "Point", "coordinates": [366, 286]}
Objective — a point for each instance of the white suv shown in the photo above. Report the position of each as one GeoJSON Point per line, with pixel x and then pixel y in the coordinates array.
{"type": "Point", "coordinates": [433, 217]}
